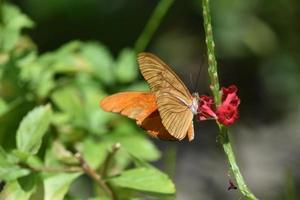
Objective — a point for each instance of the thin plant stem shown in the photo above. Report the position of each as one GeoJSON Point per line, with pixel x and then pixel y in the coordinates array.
{"type": "Point", "coordinates": [212, 61]}
{"type": "Point", "coordinates": [50, 169]}
{"type": "Point", "coordinates": [109, 158]}
{"type": "Point", "coordinates": [241, 185]}
{"type": "Point", "coordinates": [215, 88]}
{"type": "Point", "coordinates": [96, 177]}
{"type": "Point", "coordinates": [152, 24]}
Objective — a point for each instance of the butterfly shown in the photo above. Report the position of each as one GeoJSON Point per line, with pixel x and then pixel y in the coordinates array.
{"type": "Point", "coordinates": [166, 111]}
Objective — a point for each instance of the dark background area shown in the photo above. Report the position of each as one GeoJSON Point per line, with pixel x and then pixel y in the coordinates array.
{"type": "Point", "coordinates": [257, 46]}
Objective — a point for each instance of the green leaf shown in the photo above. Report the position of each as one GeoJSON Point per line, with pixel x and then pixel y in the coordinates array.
{"type": "Point", "coordinates": [50, 158]}
{"type": "Point", "coordinates": [56, 186]}
{"type": "Point", "coordinates": [62, 154]}
{"type": "Point", "coordinates": [140, 147]}
{"type": "Point", "coordinates": [67, 60]}
{"type": "Point", "coordinates": [139, 162]}
{"type": "Point", "coordinates": [96, 119]}
{"type": "Point", "coordinates": [32, 129]}
{"type": "Point", "coordinates": [146, 180]}
{"type": "Point", "coordinates": [28, 183]}
{"type": "Point", "coordinates": [13, 191]}
{"type": "Point", "coordinates": [94, 152]}
{"type": "Point", "coordinates": [10, 121]}
{"type": "Point", "coordinates": [101, 61]}
{"type": "Point", "coordinates": [20, 155]}
{"type": "Point", "coordinates": [134, 141]}
{"type": "Point", "coordinates": [81, 102]}
{"type": "Point", "coordinates": [126, 69]}
{"type": "Point", "coordinates": [9, 171]}
{"type": "Point", "coordinates": [68, 99]}
{"type": "Point", "coordinates": [13, 22]}
{"type": "Point", "coordinates": [3, 106]}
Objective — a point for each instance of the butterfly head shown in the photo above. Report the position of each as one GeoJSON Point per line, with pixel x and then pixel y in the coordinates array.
{"type": "Point", "coordinates": [195, 104]}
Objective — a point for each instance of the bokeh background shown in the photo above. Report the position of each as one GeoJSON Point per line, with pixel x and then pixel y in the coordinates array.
{"type": "Point", "coordinates": [258, 49]}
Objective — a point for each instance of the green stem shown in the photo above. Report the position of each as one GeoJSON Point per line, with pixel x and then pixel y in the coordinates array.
{"type": "Point", "coordinates": [96, 177]}
{"type": "Point", "coordinates": [50, 169]}
{"type": "Point", "coordinates": [215, 88]}
{"type": "Point", "coordinates": [212, 62]}
{"type": "Point", "coordinates": [109, 158]}
{"type": "Point", "coordinates": [153, 23]}
{"type": "Point", "coordinates": [233, 164]}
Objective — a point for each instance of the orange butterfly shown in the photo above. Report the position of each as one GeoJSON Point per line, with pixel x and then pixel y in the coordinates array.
{"type": "Point", "coordinates": [167, 111]}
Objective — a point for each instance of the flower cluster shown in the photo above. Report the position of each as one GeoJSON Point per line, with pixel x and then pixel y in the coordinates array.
{"type": "Point", "coordinates": [226, 113]}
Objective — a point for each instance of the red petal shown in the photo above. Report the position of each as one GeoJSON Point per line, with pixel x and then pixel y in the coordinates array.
{"type": "Point", "coordinates": [227, 112]}
{"type": "Point", "coordinates": [205, 109]}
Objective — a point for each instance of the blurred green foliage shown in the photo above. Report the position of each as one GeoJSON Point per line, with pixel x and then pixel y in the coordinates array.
{"type": "Point", "coordinates": [49, 111]}
{"type": "Point", "coordinates": [257, 45]}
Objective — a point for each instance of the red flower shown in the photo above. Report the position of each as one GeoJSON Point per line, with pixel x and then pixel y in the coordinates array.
{"type": "Point", "coordinates": [229, 95]}
{"type": "Point", "coordinates": [227, 112]}
{"type": "Point", "coordinates": [205, 109]}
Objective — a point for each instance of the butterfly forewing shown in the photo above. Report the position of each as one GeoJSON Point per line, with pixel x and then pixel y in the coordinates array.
{"type": "Point", "coordinates": [140, 106]}
{"type": "Point", "coordinates": [159, 75]}
{"type": "Point", "coordinates": [135, 105]}
{"type": "Point", "coordinates": [173, 98]}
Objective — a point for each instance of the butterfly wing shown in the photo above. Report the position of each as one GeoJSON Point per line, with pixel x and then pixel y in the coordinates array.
{"type": "Point", "coordinates": [159, 75]}
{"type": "Point", "coordinates": [176, 116]}
{"type": "Point", "coordinates": [190, 132]}
{"type": "Point", "coordinates": [173, 98]}
{"type": "Point", "coordinates": [153, 125]}
{"type": "Point", "coordinates": [140, 106]}
{"type": "Point", "coordinates": [135, 105]}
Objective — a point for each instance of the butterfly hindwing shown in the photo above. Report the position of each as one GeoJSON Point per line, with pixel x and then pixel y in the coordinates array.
{"type": "Point", "coordinates": [176, 116]}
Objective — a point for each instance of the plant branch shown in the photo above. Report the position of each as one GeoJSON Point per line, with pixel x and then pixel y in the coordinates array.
{"type": "Point", "coordinates": [96, 177]}
{"type": "Point", "coordinates": [50, 169]}
{"type": "Point", "coordinates": [215, 88]}
{"type": "Point", "coordinates": [109, 158]}
{"type": "Point", "coordinates": [212, 62]}
{"type": "Point", "coordinates": [153, 23]}
{"type": "Point", "coordinates": [243, 188]}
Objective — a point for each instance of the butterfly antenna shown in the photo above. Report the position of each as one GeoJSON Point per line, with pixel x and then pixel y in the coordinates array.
{"type": "Point", "coordinates": [197, 79]}
{"type": "Point", "coordinates": [191, 79]}
{"type": "Point", "coordinates": [200, 73]}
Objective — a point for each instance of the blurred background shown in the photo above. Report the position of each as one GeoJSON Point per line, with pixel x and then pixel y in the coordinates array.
{"type": "Point", "coordinates": [258, 49]}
